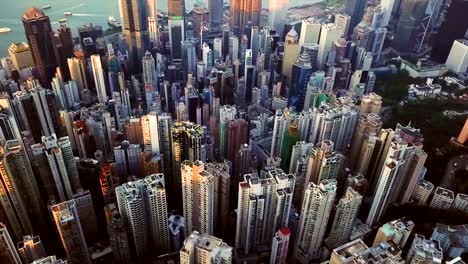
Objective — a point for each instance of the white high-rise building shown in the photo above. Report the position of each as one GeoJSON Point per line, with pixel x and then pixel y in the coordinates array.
{"type": "Point", "coordinates": [424, 251]}
{"type": "Point", "coordinates": [457, 61]}
{"type": "Point", "coordinates": [204, 249]}
{"type": "Point", "coordinates": [383, 192]}
{"type": "Point", "coordinates": [279, 246]}
{"type": "Point", "coordinates": [422, 191]}
{"type": "Point", "coordinates": [149, 69]}
{"type": "Point", "coordinates": [292, 50]}
{"type": "Point", "coordinates": [316, 209]}
{"type": "Point", "coordinates": [143, 208]}
{"type": "Point", "coordinates": [442, 199]}
{"type": "Point", "coordinates": [345, 216]}
{"type": "Point", "coordinates": [343, 21]}
{"type": "Point", "coordinates": [277, 14]}
{"type": "Point", "coordinates": [150, 128]}
{"type": "Point", "coordinates": [78, 73]}
{"type": "Point", "coordinates": [153, 29]}
{"type": "Point", "coordinates": [198, 186]}
{"type": "Point", "coordinates": [99, 80]}
{"type": "Point", "coordinates": [263, 207]}
{"type": "Point", "coordinates": [461, 202]}
{"type": "Point", "coordinates": [8, 254]}
{"type": "Point", "coordinates": [42, 110]}
{"type": "Point", "coordinates": [310, 31]}
{"type": "Point", "coordinates": [328, 35]}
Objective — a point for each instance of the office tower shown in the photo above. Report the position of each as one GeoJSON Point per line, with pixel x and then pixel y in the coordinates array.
{"type": "Point", "coordinates": [176, 25]}
{"type": "Point", "coordinates": [55, 162]}
{"type": "Point", "coordinates": [99, 81]}
{"type": "Point", "coordinates": [244, 13]}
{"type": "Point", "coordinates": [397, 230]}
{"type": "Point", "coordinates": [263, 207]}
{"type": "Point", "coordinates": [324, 163]}
{"type": "Point", "coordinates": [279, 247]}
{"type": "Point", "coordinates": [20, 55]}
{"type": "Point", "coordinates": [442, 199]}
{"type": "Point", "coordinates": [8, 253]}
{"type": "Point", "coordinates": [415, 26]}
{"type": "Point", "coordinates": [119, 240]}
{"type": "Point", "coordinates": [62, 43]}
{"type": "Point", "coordinates": [237, 135]}
{"type": "Point", "coordinates": [150, 131]}
{"type": "Point", "coordinates": [355, 9]}
{"type": "Point", "coordinates": [387, 8]}
{"type": "Point", "coordinates": [198, 186]}
{"type": "Point", "coordinates": [291, 52]}
{"type": "Point", "coordinates": [382, 194]}
{"type": "Point", "coordinates": [143, 208]}
{"type": "Point", "coordinates": [316, 209]}
{"type": "Point", "coordinates": [9, 125]}
{"type": "Point", "coordinates": [424, 251]}
{"type": "Point", "coordinates": [149, 70]}
{"type": "Point", "coordinates": [85, 208]}
{"type": "Point", "coordinates": [368, 124]}
{"type": "Point", "coordinates": [69, 229]}
{"type": "Point", "coordinates": [215, 15]}
{"type": "Point", "coordinates": [422, 192]}
{"type": "Point", "coordinates": [77, 71]}
{"type": "Point", "coordinates": [31, 248]}
{"type": "Point", "coordinates": [165, 142]}
{"type": "Point", "coordinates": [461, 202]}
{"type": "Point", "coordinates": [345, 216]}
{"type": "Point", "coordinates": [291, 136]}
{"type": "Point", "coordinates": [457, 61]}
{"type": "Point", "coordinates": [222, 184]}
{"type": "Point", "coordinates": [38, 31]}
{"type": "Point", "coordinates": [453, 27]}
{"type": "Point", "coordinates": [310, 31]}
{"type": "Point", "coordinates": [300, 76]}
{"type": "Point", "coordinates": [189, 57]}
{"type": "Point", "coordinates": [20, 194]}
{"type": "Point", "coordinates": [186, 145]}
{"type": "Point", "coordinates": [328, 35]}
{"type": "Point", "coordinates": [135, 28]}
{"type": "Point", "coordinates": [357, 251]}
{"type": "Point", "coordinates": [128, 160]}
{"type": "Point", "coordinates": [241, 165]}
{"type": "Point", "coordinates": [277, 15]}
{"type": "Point", "coordinates": [343, 21]}
{"type": "Point", "coordinates": [204, 249]}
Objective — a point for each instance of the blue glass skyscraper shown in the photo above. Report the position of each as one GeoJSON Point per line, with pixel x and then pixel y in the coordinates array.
{"type": "Point", "coordinates": [301, 71]}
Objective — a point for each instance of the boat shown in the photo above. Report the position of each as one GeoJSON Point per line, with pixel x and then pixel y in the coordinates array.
{"type": "Point", "coordinates": [113, 22]}
{"type": "Point", "coordinates": [68, 13]}
{"type": "Point", "coordinates": [63, 20]}
{"type": "Point", "coordinates": [5, 30]}
{"type": "Point", "coordinates": [46, 7]}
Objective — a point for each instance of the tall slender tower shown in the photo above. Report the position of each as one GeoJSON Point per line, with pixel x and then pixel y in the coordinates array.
{"type": "Point", "coordinates": [329, 34]}
{"type": "Point", "coordinates": [277, 15]}
{"type": "Point", "coordinates": [70, 232]}
{"type": "Point", "coordinates": [242, 12]}
{"type": "Point", "coordinates": [78, 73]}
{"type": "Point", "coordinates": [99, 81]}
{"type": "Point", "coordinates": [346, 213]}
{"type": "Point", "coordinates": [279, 247]}
{"type": "Point", "coordinates": [38, 31]}
{"type": "Point", "coordinates": [176, 24]}
{"type": "Point", "coordinates": [216, 15]}
{"type": "Point", "coordinates": [291, 52]}
{"type": "Point", "coordinates": [316, 209]}
{"type": "Point", "coordinates": [135, 28]}
{"type": "Point", "coordinates": [31, 248]}
{"type": "Point", "coordinates": [198, 197]}
{"type": "Point", "coordinates": [8, 253]}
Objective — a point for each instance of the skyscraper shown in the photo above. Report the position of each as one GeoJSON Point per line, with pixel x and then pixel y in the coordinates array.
{"type": "Point", "coordinates": [324, 163]}
{"type": "Point", "coordinates": [424, 251]}
{"type": "Point", "coordinates": [78, 73]}
{"type": "Point", "coordinates": [291, 52]}
{"type": "Point", "coordinates": [398, 231]}
{"type": "Point", "coordinates": [70, 232]}
{"type": "Point", "coordinates": [38, 31]}
{"type": "Point", "coordinates": [204, 249]}
{"type": "Point", "coordinates": [355, 9]}
{"type": "Point", "coordinates": [291, 136]}
{"type": "Point", "coordinates": [345, 216]}
{"type": "Point", "coordinates": [279, 247]}
{"type": "Point", "coordinates": [222, 184]}
{"type": "Point", "coordinates": [328, 35]}
{"type": "Point", "coordinates": [343, 21]}
{"type": "Point", "coordinates": [277, 15]}
{"type": "Point", "coordinates": [99, 81]}
{"type": "Point", "coordinates": [30, 249]}
{"type": "Point", "coordinates": [135, 28]}
{"type": "Point", "coordinates": [316, 209]}
{"type": "Point", "coordinates": [242, 12]}
{"type": "Point", "coordinates": [198, 195]}
{"type": "Point", "coordinates": [457, 61]}
{"type": "Point", "coordinates": [8, 253]}
{"type": "Point", "coordinates": [119, 240]}
{"type": "Point", "coordinates": [310, 31]}
{"type": "Point", "coordinates": [263, 207]}
{"type": "Point", "coordinates": [442, 199]}
{"type": "Point", "coordinates": [216, 16]}
{"type": "Point", "coordinates": [300, 76]}
{"type": "Point", "coordinates": [176, 24]}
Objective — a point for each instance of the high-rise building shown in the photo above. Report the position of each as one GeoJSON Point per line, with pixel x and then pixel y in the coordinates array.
{"type": "Point", "coordinates": [21, 200]}
{"type": "Point", "coordinates": [442, 199]}
{"type": "Point", "coordinates": [244, 13]}
{"type": "Point", "coordinates": [328, 35]}
{"type": "Point", "coordinates": [300, 76]}
{"type": "Point", "coordinates": [357, 251]}
{"type": "Point", "coordinates": [77, 71]}
{"type": "Point", "coordinates": [88, 220]}
{"type": "Point", "coordinates": [310, 31]}
{"type": "Point", "coordinates": [263, 207]}
{"type": "Point", "coordinates": [198, 193]}
{"type": "Point", "coordinates": [99, 81]}
{"type": "Point", "coordinates": [367, 125]}
{"type": "Point", "coordinates": [291, 52]}
{"type": "Point", "coordinates": [119, 240]}
{"type": "Point", "coordinates": [200, 248]}
{"type": "Point", "coordinates": [424, 251]}
{"type": "Point", "coordinates": [461, 202]}
{"type": "Point", "coordinates": [343, 21]}
{"type": "Point", "coordinates": [8, 253]}
{"type": "Point", "coordinates": [176, 25]}
{"type": "Point", "coordinates": [149, 70]}
{"type": "Point", "coordinates": [422, 192]}
{"type": "Point", "coordinates": [216, 16]}
{"type": "Point", "coordinates": [70, 232]}
{"type": "Point", "coordinates": [324, 163]}
{"type": "Point", "coordinates": [316, 208]}
{"type": "Point", "coordinates": [345, 216]}
{"type": "Point", "coordinates": [355, 9]}
{"type": "Point", "coordinates": [143, 208]}
{"type": "Point", "coordinates": [222, 184]}
{"type": "Point", "coordinates": [457, 61]}
{"type": "Point", "coordinates": [237, 135]}
{"type": "Point", "coordinates": [20, 55]}
{"type": "Point", "coordinates": [398, 231]}
{"type": "Point", "coordinates": [387, 8]}
{"type": "Point", "coordinates": [31, 248]}
{"type": "Point", "coordinates": [38, 31]}
{"type": "Point", "coordinates": [277, 15]}
{"type": "Point", "coordinates": [279, 247]}
{"type": "Point", "coordinates": [135, 28]}
{"type": "Point", "coordinates": [291, 136]}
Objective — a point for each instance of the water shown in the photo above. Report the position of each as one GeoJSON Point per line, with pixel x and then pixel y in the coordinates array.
{"type": "Point", "coordinates": [84, 12]}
